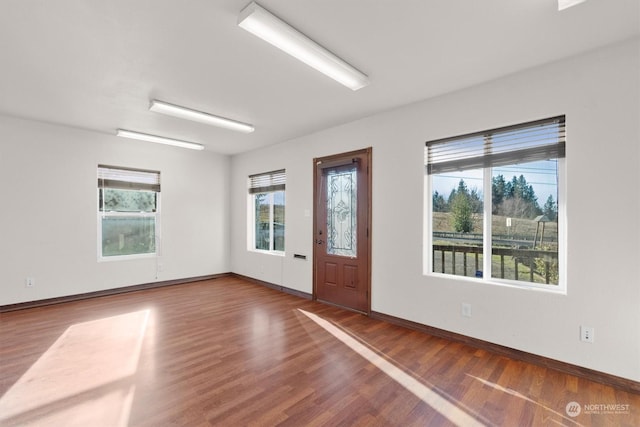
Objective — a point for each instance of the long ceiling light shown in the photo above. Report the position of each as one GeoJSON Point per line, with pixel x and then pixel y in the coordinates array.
{"type": "Point", "coordinates": [565, 4]}
{"type": "Point", "coordinates": [158, 139]}
{"type": "Point", "coordinates": [272, 29]}
{"type": "Point", "coordinates": [199, 116]}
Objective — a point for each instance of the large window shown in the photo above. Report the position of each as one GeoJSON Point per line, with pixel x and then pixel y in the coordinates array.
{"type": "Point", "coordinates": [494, 208]}
{"type": "Point", "coordinates": [128, 206]}
{"type": "Point", "coordinates": [267, 201]}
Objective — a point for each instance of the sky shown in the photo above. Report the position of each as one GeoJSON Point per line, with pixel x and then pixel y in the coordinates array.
{"type": "Point", "coordinates": [541, 175]}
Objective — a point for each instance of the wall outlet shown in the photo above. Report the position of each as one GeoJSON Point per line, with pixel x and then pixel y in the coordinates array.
{"type": "Point", "coordinates": [30, 282]}
{"type": "Point", "coordinates": [466, 309]}
{"type": "Point", "coordinates": [587, 334]}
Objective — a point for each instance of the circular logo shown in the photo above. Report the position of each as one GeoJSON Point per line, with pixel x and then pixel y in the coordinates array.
{"type": "Point", "coordinates": [573, 409]}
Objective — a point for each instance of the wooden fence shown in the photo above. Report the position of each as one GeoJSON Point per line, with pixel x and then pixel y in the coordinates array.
{"type": "Point", "coordinates": [471, 257]}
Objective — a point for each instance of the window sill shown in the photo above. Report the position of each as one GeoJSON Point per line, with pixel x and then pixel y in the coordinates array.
{"type": "Point", "coordinates": [553, 289]}
{"type": "Point", "coordinates": [260, 251]}
{"type": "Point", "coordinates": [126, 257]}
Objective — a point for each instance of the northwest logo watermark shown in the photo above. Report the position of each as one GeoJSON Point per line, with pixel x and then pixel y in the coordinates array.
{"type": "Point", "coordinates": [573, 409]}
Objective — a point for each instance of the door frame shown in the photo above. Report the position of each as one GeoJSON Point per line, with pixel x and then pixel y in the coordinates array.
{"type": "Point", "coordinates": [332, 158]}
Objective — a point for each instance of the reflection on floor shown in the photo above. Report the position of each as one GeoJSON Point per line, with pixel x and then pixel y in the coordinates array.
{"type": "Point", "coordinates": [426, 393]}
{"type": "Point", "coordinates": [94, 360]}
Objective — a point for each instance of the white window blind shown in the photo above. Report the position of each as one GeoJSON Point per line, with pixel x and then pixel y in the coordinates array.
{"type": "Point", "coordinates": [267, 182]}
{"type": "Point", "coordinates": [128, 179]}
{"type": "Point", "coordinates": [527, 142]}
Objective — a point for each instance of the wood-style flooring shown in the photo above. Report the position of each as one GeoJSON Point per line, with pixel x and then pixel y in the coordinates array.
{"type": "Point", "coordinates": [226, 352]}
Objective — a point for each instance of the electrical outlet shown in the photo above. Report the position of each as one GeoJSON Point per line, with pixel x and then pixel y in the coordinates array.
{"type": "Point", "coordinates": [466, 309]}
{"type": "Point", "coordinates": [587, 334]}
{"type": "Point", "coordinates": [30, 282]}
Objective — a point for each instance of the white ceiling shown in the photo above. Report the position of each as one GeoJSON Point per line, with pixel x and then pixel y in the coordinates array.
{"type": "Point", "coordinates": [95, 64]}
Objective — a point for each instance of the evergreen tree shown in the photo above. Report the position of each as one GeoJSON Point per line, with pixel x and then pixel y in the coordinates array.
{"type": "Point", "coordinates": [515, 198]}
{"type": "Point", "coordinates": [511, 186]}
{"type": "Point", "coordinates": [498, 193]}
{"type": "Point", "coordinates": [475, 198]}
{"type": "Point", "coordinates": [452, 196]}
{"type": "Point", "coordinates": [461, 209]}
{"type": "Point", "coordinates": [521, 187]}
{"type": "Point", "coordinates": [550, 208]}
{"type": "Point", "coordinates": [462, 187]}
{"type": "Point", "coordinates": [439, 205]}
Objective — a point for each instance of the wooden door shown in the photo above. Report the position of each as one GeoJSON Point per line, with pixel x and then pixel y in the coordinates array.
{"type": "Point", "coordinates": [342, 242]}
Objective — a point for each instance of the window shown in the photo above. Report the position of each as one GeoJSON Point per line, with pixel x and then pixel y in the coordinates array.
{"type": "Point", "coordinates": [128, 206]}
{"type": "Point", "coordinates": [494, 205]}
{"type": "Point", "coordinates": [266, 195]}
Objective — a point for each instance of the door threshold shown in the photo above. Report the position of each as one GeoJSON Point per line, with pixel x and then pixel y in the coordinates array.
{"type": "Point", "coordinates": [342, 307]}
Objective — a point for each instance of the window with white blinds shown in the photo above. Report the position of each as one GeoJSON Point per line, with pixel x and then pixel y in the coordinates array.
{"type": "Point", "coordinates": [128, 208]}
{"type": "Point", "coordinates": [267, 204]}
{"type": "Point", "coordinates": [495, 211]}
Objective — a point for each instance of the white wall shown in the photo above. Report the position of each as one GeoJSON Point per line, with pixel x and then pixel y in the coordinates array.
{"type": "Point", "coordinates": [48, 206]}
{"type": "Point", "coordinates": [600, 95]}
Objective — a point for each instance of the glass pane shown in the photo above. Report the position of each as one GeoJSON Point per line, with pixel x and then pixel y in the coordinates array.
{"type": "Point", "coordinates": [123, 235]}
{"type": "Point", "coordinates": [525, 222]}
{"type": "Point", "coordinates": [278, 221]}
{"type": "Point", "coordinates": [262, 206]}
{"type": "Point", "coordinates": [114, 200]}
{"type": "Point", "coordinates": [342, 212]}
{"type": "Point", "coordinates": [457, 222]}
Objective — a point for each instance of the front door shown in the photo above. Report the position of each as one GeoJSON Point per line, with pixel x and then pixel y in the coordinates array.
{"type": "Point", "coordinates": [342, 216]}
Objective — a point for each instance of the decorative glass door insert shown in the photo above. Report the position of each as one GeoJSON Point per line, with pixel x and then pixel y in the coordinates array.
{"type": "Point", "coordinates": [342, 211]}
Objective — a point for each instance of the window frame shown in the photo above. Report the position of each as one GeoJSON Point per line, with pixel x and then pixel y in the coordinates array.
{"type": "Point", "coordinates": [129, 185]}
{"type": "Point", "coordinates": [265, 183]}
{"type": "Point", "coordinates": [487, 173]}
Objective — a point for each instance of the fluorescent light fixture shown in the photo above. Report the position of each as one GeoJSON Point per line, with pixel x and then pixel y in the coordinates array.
{"type": "Point", "coordinates": [565, 4]}
{"type": "Point", "coordinates": [158, 139]}
{"type": "Point", "coordinates": [199, 116]}
{"type": "Point", "coordinates": [272, 29]}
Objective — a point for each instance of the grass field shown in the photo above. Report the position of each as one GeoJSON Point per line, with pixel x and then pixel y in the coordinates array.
{"type": "Point", "coordinates": [519, 227]}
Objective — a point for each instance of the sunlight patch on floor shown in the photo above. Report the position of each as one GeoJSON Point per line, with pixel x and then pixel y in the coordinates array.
{"type": "Point", "coordinates": [447, 409]}
{"type": "Point", "coordinates": [84, 378]}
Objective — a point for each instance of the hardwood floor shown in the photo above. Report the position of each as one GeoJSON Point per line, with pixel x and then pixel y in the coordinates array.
{"type": "Point", "coordinates": [226, 352]}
